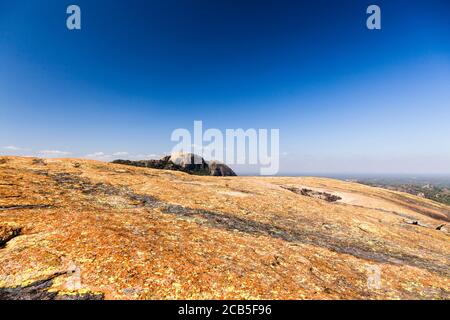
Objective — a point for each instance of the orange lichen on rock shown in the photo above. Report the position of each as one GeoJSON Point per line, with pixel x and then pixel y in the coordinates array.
{"type": "Point", "coordinates": [85, 229]}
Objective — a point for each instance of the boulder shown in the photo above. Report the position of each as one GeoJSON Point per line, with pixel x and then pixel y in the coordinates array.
{"type": "Point", "coordinates": [190, 162]}
{"type": "Point", "coordinates": [220, 169]}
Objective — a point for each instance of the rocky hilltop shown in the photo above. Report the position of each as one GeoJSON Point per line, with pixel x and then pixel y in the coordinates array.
{"type": "Point", "coordinates": [185, 162]}
{"type": "Point", "coordinates": [79, 229]}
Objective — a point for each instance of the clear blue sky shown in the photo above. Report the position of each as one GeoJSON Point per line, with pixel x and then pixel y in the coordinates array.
{"type": "Point", "coordinates": [346, 99]}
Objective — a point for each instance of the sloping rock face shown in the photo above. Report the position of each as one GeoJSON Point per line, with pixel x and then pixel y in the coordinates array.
{"type": "Point", "coordinates": [185, 162]}
{"type": "Point", "coordinates": [90, 230]}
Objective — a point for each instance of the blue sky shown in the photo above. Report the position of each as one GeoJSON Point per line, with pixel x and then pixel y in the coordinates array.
{"type": "Point", "coordinates": [346, 99]}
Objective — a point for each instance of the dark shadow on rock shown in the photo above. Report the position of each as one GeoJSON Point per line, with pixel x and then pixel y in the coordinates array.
{"type": "Point", "coordinates": [7, 233]}
{"type": "Point", "coordinates": [314, 194]}
{"type": "Point", "coordinates": [25, 206]}
{"type": "Point", "coordinates": [39, 290]}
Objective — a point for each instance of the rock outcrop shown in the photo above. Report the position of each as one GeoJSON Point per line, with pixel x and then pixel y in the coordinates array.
{"type": "Point", "coordinates": [190, 163]}
{"type": "Point", "coordinates": [185, 162]}
{"type": "Point", "coordinates": [314, 194]}
{"type": "Point", "coordinates": [220, 169]}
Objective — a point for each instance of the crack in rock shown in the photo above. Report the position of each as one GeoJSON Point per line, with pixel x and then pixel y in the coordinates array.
{"type": "Point", "coordinates": [25, 206]}
{"type": "Point", "coordinates": [7, 233]}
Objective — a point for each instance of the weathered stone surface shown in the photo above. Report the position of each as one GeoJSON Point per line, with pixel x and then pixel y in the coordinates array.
{"type": "Point", "coordinates": [102, 230]}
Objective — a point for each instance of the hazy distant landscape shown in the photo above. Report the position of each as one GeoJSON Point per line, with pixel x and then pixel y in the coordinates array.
{"type": "Point", "coordinates": [433, 187]}
{"type": "Point", "coordinates": [436, 188]}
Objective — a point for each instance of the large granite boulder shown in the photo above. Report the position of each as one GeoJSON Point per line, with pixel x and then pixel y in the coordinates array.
{"type": "Point", "coordinates": [220, 169]}
{"type": "Point", "coordinates": [190, 162]}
